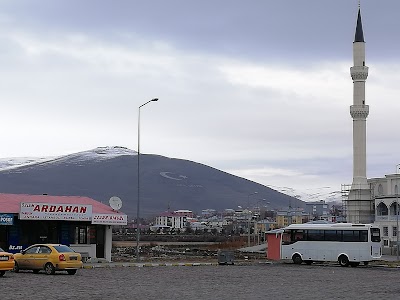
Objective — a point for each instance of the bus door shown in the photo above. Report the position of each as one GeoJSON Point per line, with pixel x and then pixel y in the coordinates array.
{"type": "Point", "coordinates": [376, 243]}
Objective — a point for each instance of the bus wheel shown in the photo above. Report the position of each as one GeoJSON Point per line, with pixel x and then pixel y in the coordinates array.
{"type": "Point", "coordinates": [297, 259]}
{"type": "Point", "coordinates": [354, 264]}
{"type": "Point", "coordinates": [308, 262]}
{"type": "Point", "coordinates": [343, 261]}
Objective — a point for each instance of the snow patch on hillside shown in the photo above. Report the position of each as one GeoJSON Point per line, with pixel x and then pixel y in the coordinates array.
{"type": "Point", "coordinates": [314, 195]}
{"type": "Point", "coordinates": [99, 153]}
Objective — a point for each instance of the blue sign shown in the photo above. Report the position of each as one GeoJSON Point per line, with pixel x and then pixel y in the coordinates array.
{"type": "Point", "coordinates": [15, 249]}
{"type": "Point", "coordinates": [6, 219]}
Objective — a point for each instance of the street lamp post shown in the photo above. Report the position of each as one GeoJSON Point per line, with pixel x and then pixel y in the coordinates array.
{"type": "Point", "coordinates": [397, 224]}
{"type": "Point", "coordinates": [397, 214]}
{"type": "Point", "coordinates": [138, 184]}
{"type": "Point", "coordinates": [249, 217]}
{"type": "Point", "coordinates": [256, 233]}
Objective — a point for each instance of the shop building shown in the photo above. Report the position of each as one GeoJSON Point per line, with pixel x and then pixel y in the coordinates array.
{"type": "Point", "coordinates": [82, 223]}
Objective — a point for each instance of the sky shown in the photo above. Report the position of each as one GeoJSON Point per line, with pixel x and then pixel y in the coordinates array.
{"type": "Point", "coordinates": [260, 89]}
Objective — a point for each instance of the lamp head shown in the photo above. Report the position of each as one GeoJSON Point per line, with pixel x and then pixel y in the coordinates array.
{"type": "Point", "coordinates": [155, 99]}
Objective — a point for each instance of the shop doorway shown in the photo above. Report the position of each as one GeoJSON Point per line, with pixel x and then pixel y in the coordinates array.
{"type": "Point", "coordinates": [100, 232]}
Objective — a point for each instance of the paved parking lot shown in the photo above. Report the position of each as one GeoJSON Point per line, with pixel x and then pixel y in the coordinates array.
{"type": "Point", "coordinates": [260, 281]}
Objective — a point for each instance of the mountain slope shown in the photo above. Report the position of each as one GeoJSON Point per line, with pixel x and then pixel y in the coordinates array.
{"type": "Point", "coordinates": [164, 182]}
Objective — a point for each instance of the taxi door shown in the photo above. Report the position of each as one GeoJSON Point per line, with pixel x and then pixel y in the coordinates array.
{"type": "Point", "coordinates": [42, 256]}
{"type": "Point", "coordinates": [27, 260]}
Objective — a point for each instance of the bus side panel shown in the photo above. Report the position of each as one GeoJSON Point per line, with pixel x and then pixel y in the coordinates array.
{"type": "Point", "coordinates": [328, 251]}
{"type": "Point", "coordinates": [287, 252]}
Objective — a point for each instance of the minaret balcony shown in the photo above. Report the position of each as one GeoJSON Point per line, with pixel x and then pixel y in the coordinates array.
{"type": "Point", "coordinates": [359, 73]}
{"type": "Point", "coordinates": [359, 111]}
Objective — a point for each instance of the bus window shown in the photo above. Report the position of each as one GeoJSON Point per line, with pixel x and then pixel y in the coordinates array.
{"type": "Point", "coordinates": [348, 235]}
{"type": "Point", "coordinates": [375, 235]}
{"type": "Point", "coordinates": [315, 235]}
{"type": "Point", "coordinates": [286, 238]}
{"type": "Point", "coordinates": [297, 235]}
{"type": "Point", "coordinates": [333, 235]}
{"type": "Point", "coordinates": [364, 236]}
{"type": "Point", "coordinates": [355, 236]}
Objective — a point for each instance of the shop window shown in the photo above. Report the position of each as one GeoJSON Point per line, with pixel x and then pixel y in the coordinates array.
{"type": "Point", "coordinates": [394, 230]}
{"type": "Point", "coordinates": [80, 235]}
{"type": "Point", "coordinates": [92, 235]}
{"type": "Point", "coordinates": [85, 235]}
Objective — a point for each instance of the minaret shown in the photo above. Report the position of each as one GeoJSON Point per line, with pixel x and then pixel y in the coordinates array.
{"type": "Point", "coordinates": [359, 201]}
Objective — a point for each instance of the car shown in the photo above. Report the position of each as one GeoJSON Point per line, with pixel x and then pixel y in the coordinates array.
{"type": "Point", "coordinates": [6, 262]}
{"type": "Point", "coordinates": [48, 257]}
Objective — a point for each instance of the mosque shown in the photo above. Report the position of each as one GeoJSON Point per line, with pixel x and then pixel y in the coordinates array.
{"type": "Point", "coordinates": [373, 200]}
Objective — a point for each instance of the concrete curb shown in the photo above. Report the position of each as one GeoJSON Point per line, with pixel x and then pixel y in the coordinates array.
{"type": "Point", "coordinates": [146, 265]}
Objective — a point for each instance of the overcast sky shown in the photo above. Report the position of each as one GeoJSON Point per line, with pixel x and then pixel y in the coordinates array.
{"type": "Point", "coordinates": [260, 89]}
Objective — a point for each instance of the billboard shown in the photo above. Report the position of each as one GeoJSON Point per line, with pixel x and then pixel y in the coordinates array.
{"type": "Point", "coordinates": [110, 219]}
{"type": "Point", "coordinates": [55, 211]}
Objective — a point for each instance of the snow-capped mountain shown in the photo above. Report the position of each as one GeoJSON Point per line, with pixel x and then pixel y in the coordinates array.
{"type": "Point", "coordinates": [111, 152]}
{"type": "Point", "coordinates": [99, 153]}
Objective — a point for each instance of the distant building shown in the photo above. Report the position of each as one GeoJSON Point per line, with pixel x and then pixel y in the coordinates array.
{"type": "Point", "coordinates": [207, 213]}
{"type": "Point", "coordinates": [291, 216]}
{"type": "Point", "coordinates": [265, 225]}
{"type": "Point", "coordinates": [176, 219]}
{"type": "Point", "coordinates": [317, 209]}
{"type": "Point", "coordinates": [184, 212]}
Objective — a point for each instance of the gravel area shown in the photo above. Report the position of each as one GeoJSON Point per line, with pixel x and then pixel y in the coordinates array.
{"type": "Point", "coordinates": [257, 281]}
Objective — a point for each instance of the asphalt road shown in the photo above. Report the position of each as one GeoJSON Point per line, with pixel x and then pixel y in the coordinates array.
{"type": "Point", "coordinates": [260, 281]}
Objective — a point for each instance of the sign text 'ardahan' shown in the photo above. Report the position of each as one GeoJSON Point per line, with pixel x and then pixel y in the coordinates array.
{"type": "Point", "coordinates": [50, 211]}
{"type": "Point", "coordinates": [110, 219]}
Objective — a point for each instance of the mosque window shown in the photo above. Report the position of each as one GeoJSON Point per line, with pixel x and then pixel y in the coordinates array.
{"type": "Point", "coordinates": [385, 230]}
{"type": "Point", "coordinates": [380, 190]}
{"type": "Point", "coordinates": [382, 209]}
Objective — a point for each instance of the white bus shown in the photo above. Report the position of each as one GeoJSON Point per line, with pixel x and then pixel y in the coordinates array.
{"type": "Point", "coordinates": [348, 244]}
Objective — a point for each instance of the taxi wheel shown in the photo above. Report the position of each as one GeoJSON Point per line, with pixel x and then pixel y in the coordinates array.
{"type": "Point", "coordinates": [16, 267]}
{"type": "Point", "coordinates": [2, 273]}
{"type": "Point", "coordinates": [49, 269]}
{"type": "Point", "coordinates": [71, 272]}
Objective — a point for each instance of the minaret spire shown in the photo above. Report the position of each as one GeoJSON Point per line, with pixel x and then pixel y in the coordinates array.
{"type": "Point", "coordinates": [359, 36]}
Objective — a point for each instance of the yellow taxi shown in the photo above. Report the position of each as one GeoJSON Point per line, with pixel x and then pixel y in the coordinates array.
{"type": "Point", "coordinates": [48, 257]}
{"type": "Point", "coordinates": [6, 262]}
